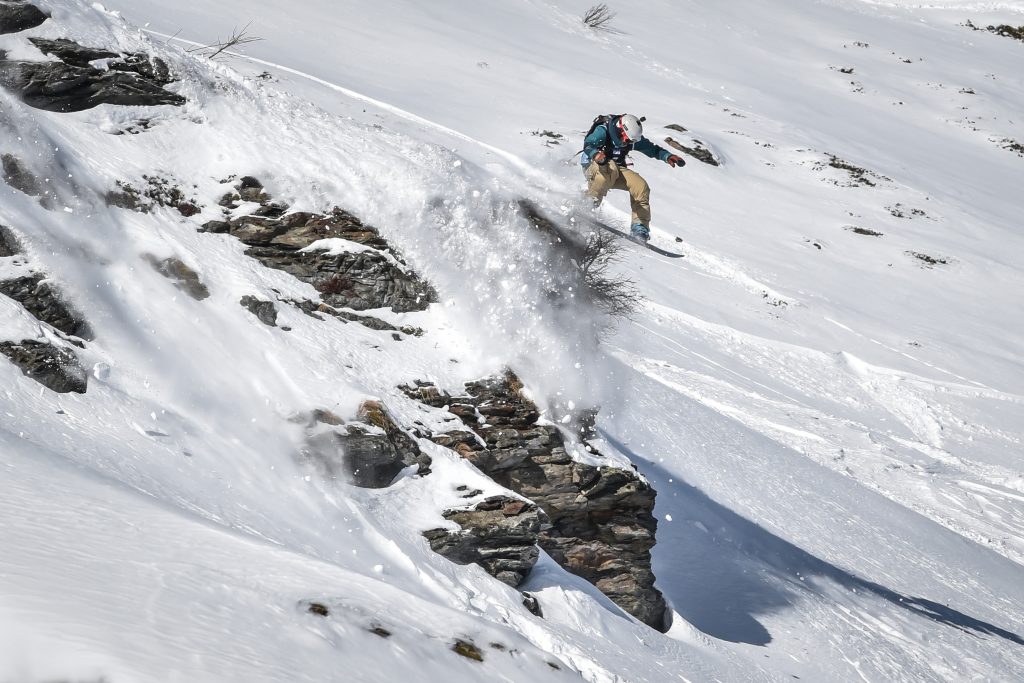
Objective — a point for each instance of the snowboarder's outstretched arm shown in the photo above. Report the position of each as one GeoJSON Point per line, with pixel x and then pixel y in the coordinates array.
{"type": "Point", "coordinates": [645, 146]}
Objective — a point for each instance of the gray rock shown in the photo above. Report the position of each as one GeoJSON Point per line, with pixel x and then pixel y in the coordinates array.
{"type": "Point", "coordinates": [18, 176]}
{"type": "Point", "coordinates": [369, 453]}
{"type": "Point", "coordinates": [9, 243]}
{"type": "Point", "coordinates": [499, 534]}
{"type": "Point", "coordinates": [70, 52]}
{"type": "Point", "coordinates": [43, 300]}
{"type": "Point", "coordinates": [374, 278]}
{"type": "Point", "coordinates": [63, 87]}
{"type": "Point", "coordinates": [55, 368]}
{"type": "Point", "coordinates": [19, 16]}
{"type": "Point", "coordinates": [266, 311]}
{"type": "Point", "coordinates": [183, 277]}
{"type": "Point", "coordinates": [601, 525]}
{"type": "Point", "coordinates": [531, 603]}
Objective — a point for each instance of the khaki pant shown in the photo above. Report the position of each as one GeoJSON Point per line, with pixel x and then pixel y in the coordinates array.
{"type": "Point", "coordinates": [600, 179]}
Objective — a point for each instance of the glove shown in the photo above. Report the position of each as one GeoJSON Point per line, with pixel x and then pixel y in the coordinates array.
{"type": "Point", "coordinates": [674, 161]}
{"type": "Point", "coordinates": [600, 158]}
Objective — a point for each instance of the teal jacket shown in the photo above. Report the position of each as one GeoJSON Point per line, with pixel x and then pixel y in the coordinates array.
{"type": "Point", "coordinates": [617, 150]}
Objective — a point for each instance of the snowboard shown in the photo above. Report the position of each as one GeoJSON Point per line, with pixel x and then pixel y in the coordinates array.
{"type": "Point", "coordinates": [626, 235]}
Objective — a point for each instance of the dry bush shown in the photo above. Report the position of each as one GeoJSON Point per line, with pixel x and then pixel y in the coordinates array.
{"type": "Point", "coordinates": [615, 295]}
{"type": "Point", "coordinates": [239, 36]}
{"type": "Point", "coordinates": [599, 18]}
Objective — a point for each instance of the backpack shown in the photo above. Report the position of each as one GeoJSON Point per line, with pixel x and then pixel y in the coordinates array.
{"type": "Point", "coordinates": [602, 120]}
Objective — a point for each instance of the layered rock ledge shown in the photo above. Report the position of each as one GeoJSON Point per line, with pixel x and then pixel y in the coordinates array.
{"type": "Point", "coordinates": [599, 525]}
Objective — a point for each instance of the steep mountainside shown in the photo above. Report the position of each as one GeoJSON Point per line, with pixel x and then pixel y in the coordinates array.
{"type": "Point", "coordinates": [300, 379]}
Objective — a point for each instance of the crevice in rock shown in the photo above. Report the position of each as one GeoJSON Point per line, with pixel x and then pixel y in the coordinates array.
{"type": "Point", "coordinates": [601, 525]}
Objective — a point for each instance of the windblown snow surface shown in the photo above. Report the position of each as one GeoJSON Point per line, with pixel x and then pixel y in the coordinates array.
{"type": "Point", "coordinates": [834, 425]}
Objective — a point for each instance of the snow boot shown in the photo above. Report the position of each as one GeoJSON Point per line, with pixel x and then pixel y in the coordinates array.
{"type": "Point", "coordinates": [639, 231]}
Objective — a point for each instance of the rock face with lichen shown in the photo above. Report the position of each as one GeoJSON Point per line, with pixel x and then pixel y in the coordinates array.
{"type": "Point", "coordinates": [499, 534]}
{"type": "Point", "coordinates": [55, 368]}
{"type": "Point", "coordinates": [369, 451]}
{"type": "Point", "coordinates": [359, 271]}
{"type": "Point", "coordinates": [43, 300]}
{"type": "Point", "coordinates": [600, 522]}
{"type": "Point", "coordinates": [73, 84]}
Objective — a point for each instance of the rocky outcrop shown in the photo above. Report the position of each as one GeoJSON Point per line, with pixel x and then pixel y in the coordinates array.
{"type": "Point", "coordinates": [265, 311]}
{"type": "Point", "coordinates": [180, 275]}
{"type": "Point", "coordinates": [9, 244]}
{"type": "Point", "coordinates": [358, 269]}
{"type": "Point", "coordinates": [17, 175]}
{"type": "Point", "coordinates": [19, 16]}
{"type": "Point", "coordinates": [72, 84]}
{"type": "Point", "coordinates": [155, 191]}
{"type": "Point", "coordinates": [600, 521]}
{"type": "Point", "coordinates": [55, 368]}
{"type": "Point", "coordinates": [368, 452]}
{"type": "Point", "coordinates": [43, 300]}
{"type": "Point", "coordinates": [499, 534]}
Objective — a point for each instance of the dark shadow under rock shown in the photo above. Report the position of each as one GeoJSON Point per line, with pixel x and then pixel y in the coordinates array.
{"type": "Point", "coordinates": [499, 534]}
{"type": "Point", "coordinates": [55, 368]}
{"type": "Point", "coordinates": [183, 277]}
{"type": "Point", "coordinates": [601, 522]}
{"type": "Point", "coordinates": [61, 87]}
{"type": "Point", "coordinates": [43, 300]}
{"type": "Point", "coordinates": [368, 453]}
{"type": "Point", "coordinates": [266, 311]}
{"type": "Point", "coordinates": [20, 16]}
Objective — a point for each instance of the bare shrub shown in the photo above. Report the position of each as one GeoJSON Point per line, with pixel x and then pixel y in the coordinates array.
{"type": "Point", "coordinates": [615, 295]}
{"type": "Point", "coordinates": [599, 18]}
{"type": "Point", "coordinates": [239, 36]}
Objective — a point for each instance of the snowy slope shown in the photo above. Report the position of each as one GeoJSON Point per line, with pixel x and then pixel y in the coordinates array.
{"type": "Point", "coordinates": [834, 429]}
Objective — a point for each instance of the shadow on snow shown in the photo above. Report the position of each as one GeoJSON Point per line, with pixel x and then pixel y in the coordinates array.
{"type": "Point", "coordinates": [719, 569]}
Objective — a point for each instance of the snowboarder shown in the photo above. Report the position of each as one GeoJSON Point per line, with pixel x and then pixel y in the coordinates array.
{"type": "Point", "coordinates": [605, 147]}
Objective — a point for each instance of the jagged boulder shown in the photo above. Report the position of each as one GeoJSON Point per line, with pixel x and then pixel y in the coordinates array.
{"type": "Point", "coordinates": [74, 85]}
{"type": "Point", "coordinates": [43, 300]}
{"type": "Point", "coordinates": [17, 175]}
{"type": "Point", "coordinates": [499, 534]}
{"type": "Point", "coordinates": [362, 275]}
{"type": "Point", "coordinates": [184, 278]}
{"type": "Point", "coordinates": [369, 452]}
{"type": "Point", "coordinates": [601, 525]}
{"type": "Point", "coordinates": [55, 368]}
{"type": "Point", "coordinates": [9, 243]}
{"type": "Point", "coordinates": [20, 16]}
{"type": "Point", "coordinates": [264, 310]}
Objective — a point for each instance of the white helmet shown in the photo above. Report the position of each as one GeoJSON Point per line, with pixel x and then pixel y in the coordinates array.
{"type": "Point", "coordinates": [630, 127]}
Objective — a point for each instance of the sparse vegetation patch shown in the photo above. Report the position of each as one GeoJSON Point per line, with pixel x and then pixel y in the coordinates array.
{"type": "Point", "coordinates": [863, 231]}
{"type": "Point", "coordinates": [928, 260]}
{"type": "Point", "coordinates": [1005, 30]}
{"type": "Point", "coordinates": [599, 17]}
